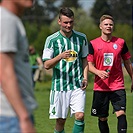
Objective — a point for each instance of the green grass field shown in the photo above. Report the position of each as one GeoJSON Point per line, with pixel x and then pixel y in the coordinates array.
{"type": "Point", "coordinates": [45, 125]}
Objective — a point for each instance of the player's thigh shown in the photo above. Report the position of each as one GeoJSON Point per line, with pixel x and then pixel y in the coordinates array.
{"type": "Point", "coordinates": [59, 104]}
{"type": "Point", "coordinates": [100, 104]}
{"type": "Point", "coordinates": [118, 100]}
{"type": "Point", "coordinates": [77, 101]}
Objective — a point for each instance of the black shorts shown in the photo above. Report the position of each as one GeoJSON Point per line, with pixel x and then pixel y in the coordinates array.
{"type": "Point", "coordinates": [101, 101]}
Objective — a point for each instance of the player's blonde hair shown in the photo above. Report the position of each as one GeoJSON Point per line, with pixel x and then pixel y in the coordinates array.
{"type": "Point", "coordinates": [106, 17]}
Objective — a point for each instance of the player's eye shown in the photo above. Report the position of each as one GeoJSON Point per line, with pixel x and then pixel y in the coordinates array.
{"type": "Point", "coordinates": [68, 22]}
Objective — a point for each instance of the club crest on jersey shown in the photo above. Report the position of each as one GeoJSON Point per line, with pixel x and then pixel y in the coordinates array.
{"type": "Point", "coordinates": [115, 46]}
{"type": "Point", "coordinates": [72, 57]}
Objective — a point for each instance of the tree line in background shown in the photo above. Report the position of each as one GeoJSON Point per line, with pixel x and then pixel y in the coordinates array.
{"type": "Point", "coordinates": [44, 11]}
{"type": "Point", "coordinates": [121, 10]}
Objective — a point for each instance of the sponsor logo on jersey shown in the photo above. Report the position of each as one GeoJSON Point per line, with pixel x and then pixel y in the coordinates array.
{"type": "Point", "coordinates": [108, 59]}
{"type": "Point", "coordinates": [72, 57]}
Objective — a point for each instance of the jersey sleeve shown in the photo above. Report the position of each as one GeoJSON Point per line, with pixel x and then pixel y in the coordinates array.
{"type": "Point", "coordinates": [9, 35]}
{"type": "Point", "coordinates": [85, 49]}
{"type": "Point", "coordinates": [91, 53]}
{"type": "Point", "coordinates": [48, 50]}
{"type": "Point", "coordinates": [125, 52]}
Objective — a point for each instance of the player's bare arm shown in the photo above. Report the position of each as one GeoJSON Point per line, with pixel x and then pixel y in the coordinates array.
{"type": "Point", "coordinates": [129, 68]}
{"type": "Point", "coordinates": [101, 73]}
{"type": "Point", "coordinates": [85, 74]}
{"type": "Point", "coordinates": [52, 62]}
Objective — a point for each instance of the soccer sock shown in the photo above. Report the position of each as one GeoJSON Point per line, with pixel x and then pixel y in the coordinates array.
{"type": "Point", "coordinates": [78, 126]}
{"type": "Point", "coordinates": [55, 131]}
{"type": "Point", "coordinates": [103, 126]}
{"type": "Point", "coordinates": [122, 124]}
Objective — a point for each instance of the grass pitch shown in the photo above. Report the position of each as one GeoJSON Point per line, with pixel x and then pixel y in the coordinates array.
{"type": "Point", "coordinates": [45, 125]}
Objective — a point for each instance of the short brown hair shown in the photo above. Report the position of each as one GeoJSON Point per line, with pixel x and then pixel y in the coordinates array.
{"type": "Point", "coordinates": [106, 17]}
{"type": "Point", "coordinates": [66, 12]}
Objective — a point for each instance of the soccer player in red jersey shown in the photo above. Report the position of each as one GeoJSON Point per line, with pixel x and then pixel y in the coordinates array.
{"type": "Point", "coordinates": [104, 60]}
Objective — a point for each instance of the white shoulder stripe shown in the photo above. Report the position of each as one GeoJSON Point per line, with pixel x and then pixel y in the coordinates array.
{"type": "Point", "coordinates": [49, 38]}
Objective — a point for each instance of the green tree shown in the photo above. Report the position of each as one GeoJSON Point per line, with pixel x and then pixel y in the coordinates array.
{"type": "Point", "coordinates": [100, 7]}
{"type": "Point", "coordinates": [37, 37]}
{"type": "Point", "coordinates": [42, 12]}
{"type": "Point", "coordinates": [120, 9]}
{"type": "Point", "coordinates": [70, 3]}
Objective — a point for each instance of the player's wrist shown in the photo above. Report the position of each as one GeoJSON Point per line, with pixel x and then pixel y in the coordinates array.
{"type": "Point", "coordinates": [60, 57]}
{"type": "Point", "coordinates": [85, 79]}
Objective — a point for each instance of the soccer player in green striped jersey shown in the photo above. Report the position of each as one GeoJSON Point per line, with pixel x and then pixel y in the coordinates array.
{"type": "Point", "coordinates": [65, 51]}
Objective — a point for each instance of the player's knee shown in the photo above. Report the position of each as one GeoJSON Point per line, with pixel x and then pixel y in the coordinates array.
{"type": "Point", "coordinates": [103, 118]}
{"type": "Point", "coordinates": [79, 116]}
{"type": "Point", "coordinates": [60, 121]}
{"type": "Point", "coordinates": [119, 113]}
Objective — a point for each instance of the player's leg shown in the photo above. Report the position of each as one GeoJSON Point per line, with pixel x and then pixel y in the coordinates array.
{"type": "Point", "coordinates": [79, 123]}
{"type": "Point", "coordinates": [77, 105]}
{"type": "Point", "coordinates": [103, 125]}
{"type": "Point", "coordinates": [119, 104]}
{"type": "Point", "coordinates": [100, 107]}
{"type": "Point", "coordinates": [59, 107]}
{"type": "Point", "coordinates": [122, 123]}
{"type": "Point", "coordinates": [59, 127]}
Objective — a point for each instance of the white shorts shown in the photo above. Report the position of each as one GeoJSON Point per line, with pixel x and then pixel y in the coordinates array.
{"type": "Point", "coordinates": [61, 101]}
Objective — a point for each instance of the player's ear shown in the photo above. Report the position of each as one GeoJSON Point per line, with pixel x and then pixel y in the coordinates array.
{"type": "Point", "coordinates": [100, 26]}
{"type": "Point", "coordinates": [59, 21]}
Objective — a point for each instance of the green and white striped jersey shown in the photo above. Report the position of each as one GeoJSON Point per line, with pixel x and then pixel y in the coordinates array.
{"type": "Point", "coordinates": [68, 73]}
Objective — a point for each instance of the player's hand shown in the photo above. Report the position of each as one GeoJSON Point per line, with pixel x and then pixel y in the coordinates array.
{"type": "Point", "coordinates": [102, 74]}
{"type": "Point", "coordinates": [66, 54]}
{"type": "Point", "coordinates": [84, 84]}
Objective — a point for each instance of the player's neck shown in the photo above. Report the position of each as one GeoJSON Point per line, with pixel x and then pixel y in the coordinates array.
{"type": "Point", "coordinates": [106, 38]}
{"type": "Point", "coordinates": [66, 34]}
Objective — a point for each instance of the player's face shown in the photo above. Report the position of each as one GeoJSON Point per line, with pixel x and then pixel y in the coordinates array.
{"type": "Point", "coordinates": [66, 24]}
{"type": "Point", "coordinates": [107, 26]}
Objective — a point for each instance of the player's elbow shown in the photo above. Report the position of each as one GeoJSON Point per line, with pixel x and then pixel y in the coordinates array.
{"type": "Point", "coordinates": [47, 66]}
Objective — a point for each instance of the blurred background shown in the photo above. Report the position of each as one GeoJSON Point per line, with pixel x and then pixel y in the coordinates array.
{"type": "Point", "coordinates": [41, 20]}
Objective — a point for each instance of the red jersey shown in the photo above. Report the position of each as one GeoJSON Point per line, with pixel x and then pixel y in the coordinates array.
{"type": "Point", "coordinates": [107, 56]}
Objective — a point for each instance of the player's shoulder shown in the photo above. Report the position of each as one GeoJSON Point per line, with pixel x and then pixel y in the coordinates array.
{"type": "Point", "coordinates": [98, 39]}
{"type": "Point", "coordinates": [53, 36]}
{"type": "Point", "coordinates": [117, 39]}
{"type": "Point", "coordinates": [79, 33]}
